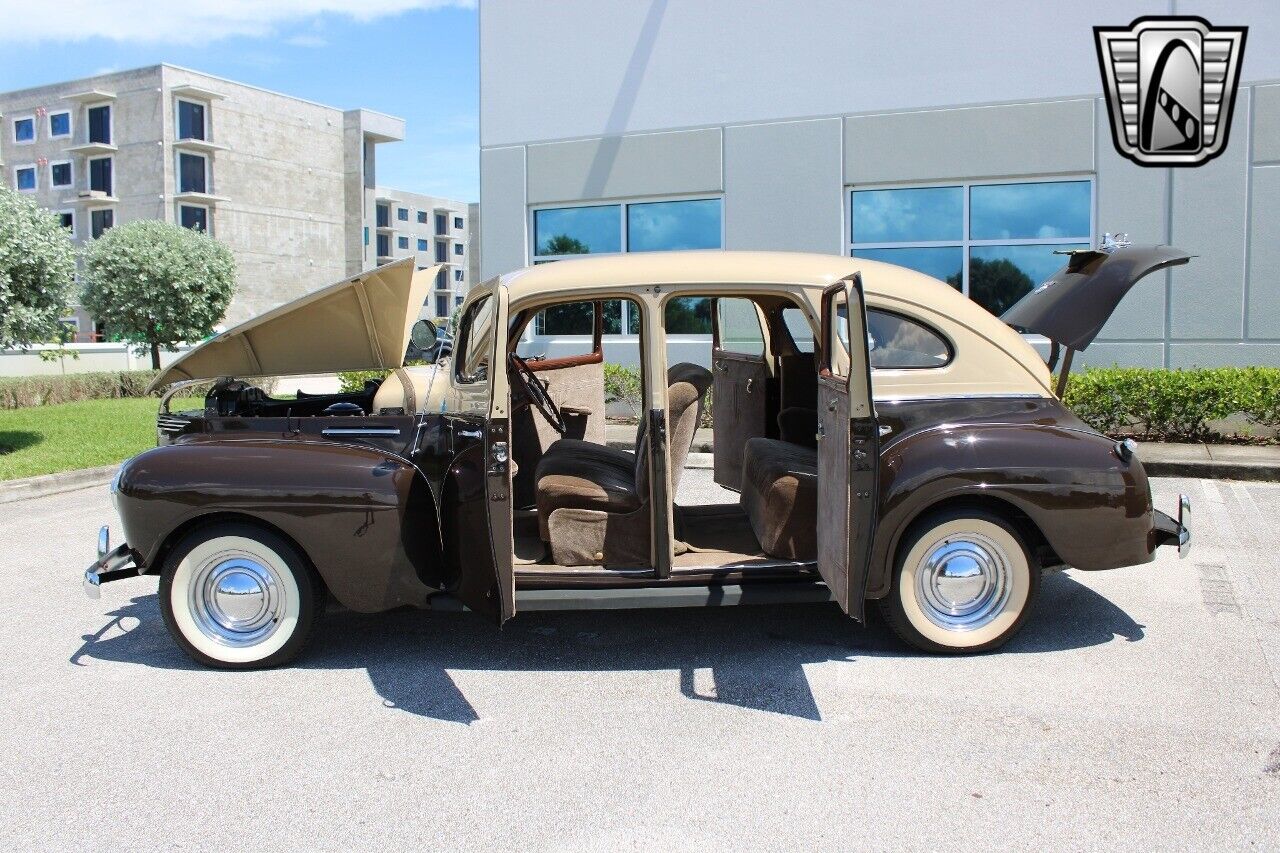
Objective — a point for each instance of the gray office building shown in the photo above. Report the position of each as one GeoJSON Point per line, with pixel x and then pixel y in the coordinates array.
{"type": "Point", "coordinates": [971, 141]}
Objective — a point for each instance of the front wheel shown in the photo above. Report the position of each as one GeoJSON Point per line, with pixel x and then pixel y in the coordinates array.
{"type": "Point", "coordinates": [963, 582]}
{"type": "Point", "coordinates": [236, 596]}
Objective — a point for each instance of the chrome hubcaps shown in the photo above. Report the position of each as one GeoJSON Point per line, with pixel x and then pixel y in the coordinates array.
{"type": "Point", "coordinates": [963, 582]}
{"type": "Point", "coordinates": [237, 599]}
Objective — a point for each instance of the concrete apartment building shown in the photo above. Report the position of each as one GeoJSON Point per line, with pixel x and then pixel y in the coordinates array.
{"type": "Point", "coordinates": [432, 230]}
{"type": "Point", "coordinates": [287, 184]}
{"type": "Point", "coordinates": [939, 135]}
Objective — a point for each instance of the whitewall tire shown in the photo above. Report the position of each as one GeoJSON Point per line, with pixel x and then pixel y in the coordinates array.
{"type": "Point", "coordinates": [964, 581]}
{"type": "Point", "coordinates": [237, 596]}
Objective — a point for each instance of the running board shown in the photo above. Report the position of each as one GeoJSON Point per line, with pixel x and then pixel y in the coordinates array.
{"type": "Point", "coordinates": [636, 598]}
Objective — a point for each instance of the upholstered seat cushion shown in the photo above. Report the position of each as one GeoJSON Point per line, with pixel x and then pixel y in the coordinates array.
{"type": "Point", "coordinates": [569, 482]}
{"type": "Point", "coordinates": [573, 448]}
{"type": "Point", "coordinates": [780, 497]}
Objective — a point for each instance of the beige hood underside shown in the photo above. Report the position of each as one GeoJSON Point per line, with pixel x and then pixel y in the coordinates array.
{"type": "Point", "coordinates": [361, 323]}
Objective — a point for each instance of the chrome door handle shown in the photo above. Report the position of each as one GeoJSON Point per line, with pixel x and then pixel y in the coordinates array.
{"type": "Point", "coordinates": [750, 382]}
{"type": "Point", "coordinates": [468, 433]}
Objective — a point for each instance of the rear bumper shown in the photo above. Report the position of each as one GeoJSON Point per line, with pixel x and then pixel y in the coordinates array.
{"type": "Point", "coordinates": [111, 565]}
{"type": "Point", "coordinates": [1174, 531]}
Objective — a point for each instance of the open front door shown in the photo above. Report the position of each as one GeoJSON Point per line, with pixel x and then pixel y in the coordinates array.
{"type": "Point", "coordinates": [848, 446]}
{"type": "Point", "coordinates": [476, 498]}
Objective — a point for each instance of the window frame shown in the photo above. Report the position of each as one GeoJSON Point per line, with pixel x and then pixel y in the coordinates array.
{"type": "Point", "coordinates": [71, 124]}
{"type": "Point", "coordinates": [13, 129]}
{"type": "Point", "coordinates": [88, 174]}
{"type": "Point", "coordinates": [204, 120]}
{"type": "Point", "coordinates": [965, 243]}
{"type": "Point", "coordinates": [35, 175]}
{"type": "Point", "coordinates": [466, 325]}
{"type": "Point", "coordinates": [71, 169]}
{"type": "Point", "coordinates": [111, 122]}
{"type": "Point", "coordinates": [531, 246]}
{"type": "Point", "coordinates": [402, 214]}
{"type": "Point", "coordinates": [423, 218]}
{"type": "Point", "coordinates": [69, 211]}
{"type": "Point", "coordinates": [177, 172]}
{"type": "Point", "coordinates": [101, 210]}
{"type": "Point", "coordinates": [208, 216]}
{"type": "Point", "coordinates": [402, 242]}
{"type": "Point", "coordinates": [458, 223]}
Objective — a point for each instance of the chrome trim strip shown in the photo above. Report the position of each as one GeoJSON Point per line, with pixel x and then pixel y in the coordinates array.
{"type": "Point", "coordinates": [930, 399]}
{"type": "Point", "coordinates": [359, 431]}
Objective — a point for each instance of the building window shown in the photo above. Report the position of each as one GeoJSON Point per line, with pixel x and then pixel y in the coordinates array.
{"type": "Point", "coordinates": [24, 130]}
{"type": "Point", "coordinates": [457, 248]}
{"type": "Point", "coordinates": [424, 245]}
{"type": "Point", "coordinates": [993, 242]}
{"type": "Point", "coordinates": [442, 280]}
{"type": "Point", "coordinates": [100, 221]}
{"type": "Point", "coordinates": [650, 226]}
{"type": "Point", "coordinates": [100, 175]}
{"type": "Point", "coordinates": [100, 124]}
{"type": "Point", "coordinates": [457, 222]}
{"type": "Point", "coordinates": [67, 218]}
{"type": "Point", "coordinates": [194, 217]}
{"type": "Point", "coordinates": [457, 275]}
{"type": "Point", "coordinates": [366, 235]}
{"type": "Point", "coordinates": [442, 252]}
{"type": "Point", "coordinates": [193, 173]}
{"type": "Point", "coordinates": [59, 124]}
{"type": "Point", "coordinates": [24, 178]}
{"type": "Point", "coordinates": [422, 217]}
{"type": "Point", "coordinates": [458, 300]}
{"type": "Point", "coordinates": [384, 245]}
{"type": "Point", "coordinates": [60, 174]}
{"type": "Point", "coordinates": [191, 121]}
{"type": "Point", "coordinates": [402, 214]}
{"type": "Point", "coordinates": [383, 216]}
{"type": "Point", "coordinates": [442, 305]}
{"type": "Point", "coordinates": [442, 224]}
{"type": "Point", "coordinates": [402, 242]}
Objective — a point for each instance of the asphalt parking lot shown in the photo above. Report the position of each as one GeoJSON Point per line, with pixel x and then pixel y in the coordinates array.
{"type": "Point", "coordinates": [1139, 709]}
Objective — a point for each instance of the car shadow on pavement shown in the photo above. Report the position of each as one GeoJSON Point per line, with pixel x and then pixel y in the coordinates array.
{"type": "Point", "coordinates": [749, 657]}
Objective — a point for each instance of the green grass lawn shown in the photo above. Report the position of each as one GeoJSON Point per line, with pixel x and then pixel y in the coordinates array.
{"type": "Point", "coordinates": [47, 439]}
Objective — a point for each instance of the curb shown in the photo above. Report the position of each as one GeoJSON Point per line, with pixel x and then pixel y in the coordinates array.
{"type": "Point", "coordinates": [53, 484]}
{"type": "Point", "coordinates": [1212, 470]}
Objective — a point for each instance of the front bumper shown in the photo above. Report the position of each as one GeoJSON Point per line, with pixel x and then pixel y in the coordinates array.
{"type": "Point", "coordinates": [1171, 531]}
{"type": "Point", "coordinates": [111, 565]}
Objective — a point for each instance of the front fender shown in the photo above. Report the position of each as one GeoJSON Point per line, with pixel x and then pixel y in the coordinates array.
{"type": "Point", "coordinates": [1093, 508]}
{"type": "Point", "coordinates": [344, 505]}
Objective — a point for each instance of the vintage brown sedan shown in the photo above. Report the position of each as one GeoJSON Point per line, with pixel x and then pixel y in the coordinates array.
{"type": "Point", "coordinates": [888, 438]}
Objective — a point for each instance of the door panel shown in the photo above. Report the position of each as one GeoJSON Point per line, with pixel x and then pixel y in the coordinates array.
{"type": "Point", "coordinates": [739, 391]}
{"type": "Point", "coordinates": [848, 447]}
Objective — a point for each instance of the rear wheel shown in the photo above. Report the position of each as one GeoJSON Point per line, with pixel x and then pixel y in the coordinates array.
{"type": "Point", "coordinates": [963, 582]}
{"type": "Point", "coordinates": [236, 596]}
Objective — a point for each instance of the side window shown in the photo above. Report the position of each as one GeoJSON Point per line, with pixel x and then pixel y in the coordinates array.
{"type": "Point", "coordinates": [798, 326]}
{"type": "Point", "coordinates": [899, 342]}
{"type": "Point", "coordinates": [571, 325]}
{"type": "Point", "coordinates": [475, 342]}
{"type": "Point", "coordinates": [738, 327]}
{"type": "Point", "coordinates": [837, 342]}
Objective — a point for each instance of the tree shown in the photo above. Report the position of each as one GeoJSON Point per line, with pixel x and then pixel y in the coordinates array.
{"type": "Point", "coordinates": [158, 284]}
{"type": "Point", "coordinates": [37, 271]}
{"type": "Point", "coordinates": [563, 244]}
{"type": "Point", "coordinates": [997, 284]}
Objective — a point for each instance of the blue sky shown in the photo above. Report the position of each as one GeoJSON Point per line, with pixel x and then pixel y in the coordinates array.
{"type": "Point", "coordinates": [416, 59]}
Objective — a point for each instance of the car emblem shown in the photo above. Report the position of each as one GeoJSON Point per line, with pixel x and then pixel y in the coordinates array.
{"type": "Point", "coordinates": [1170, 84]}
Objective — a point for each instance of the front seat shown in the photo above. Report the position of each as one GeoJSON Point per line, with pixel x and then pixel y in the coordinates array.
{"type": "Point", "coordinates": [593, 506]}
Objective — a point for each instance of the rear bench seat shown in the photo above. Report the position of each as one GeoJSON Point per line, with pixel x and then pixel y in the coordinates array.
{"type": "Point", "coordinates": [780, 497]}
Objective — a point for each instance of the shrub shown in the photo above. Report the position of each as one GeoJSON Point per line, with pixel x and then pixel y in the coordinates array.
{"type": "Point", "coordinates": [353, 381]}
{"type": "Point", "coordinates": [622, 385]}
{"type": "Point", "coordinates": [1173, 405]}
{"type": "Point", "coordinates": [23, 391]}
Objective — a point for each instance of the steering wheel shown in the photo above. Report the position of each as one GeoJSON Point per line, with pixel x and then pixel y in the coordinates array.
{"type": "Point", "coordinates": [537, 394]}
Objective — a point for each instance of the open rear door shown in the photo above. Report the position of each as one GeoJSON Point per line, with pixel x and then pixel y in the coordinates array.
{"type": "Point", "coordinates": [848, 446]}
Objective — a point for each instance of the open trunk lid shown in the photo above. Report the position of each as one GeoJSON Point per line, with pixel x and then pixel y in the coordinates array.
{"type": "Point", "coordinates": [1073, 304]}
{"type": "Point", "coordinates": [361, 323]}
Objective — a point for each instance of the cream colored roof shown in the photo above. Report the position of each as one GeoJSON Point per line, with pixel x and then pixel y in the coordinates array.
{"type": "Point", "coordinates": [360, 323]}
{"type": "Point", "coordinates": [885, 285]}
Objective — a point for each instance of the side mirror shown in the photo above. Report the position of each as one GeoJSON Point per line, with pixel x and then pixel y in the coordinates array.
{"type": "Point", "coordinates": [423, 335]}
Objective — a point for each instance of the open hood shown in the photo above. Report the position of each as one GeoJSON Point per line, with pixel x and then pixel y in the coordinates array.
{"type": "Point", "coordinates": [1074, 303]}
{"type": "Point", "coordinates": [362, 323]}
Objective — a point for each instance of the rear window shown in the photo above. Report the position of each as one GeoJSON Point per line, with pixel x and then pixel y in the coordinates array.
{"type": "Point", "coordinates": [898, 342]}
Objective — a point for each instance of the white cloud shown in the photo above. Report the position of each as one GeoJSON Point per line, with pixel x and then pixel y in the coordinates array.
{"type": "Point", "coordinates": [183, 23]}
{"type": "Point", "coordinates": [307, 40]}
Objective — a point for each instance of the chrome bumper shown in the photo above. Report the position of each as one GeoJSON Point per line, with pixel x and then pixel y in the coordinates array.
{"type": "Point", "coordinates": [1170, 531]}
{"type": "Point", "coordinates": [111, 565]}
